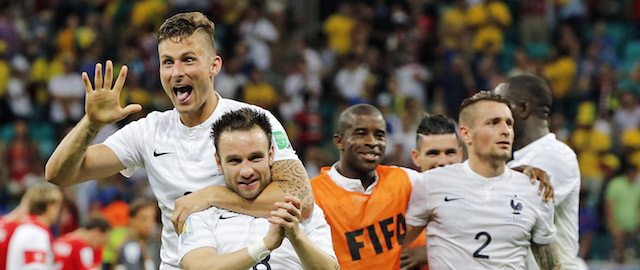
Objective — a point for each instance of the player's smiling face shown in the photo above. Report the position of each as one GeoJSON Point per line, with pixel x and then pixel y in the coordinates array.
{"type": "Point", "coordinates": [187, 67]}
{"type": "Point", "coordinates": [492, 134]}
{"type": "Point", "coordinates": [245, 159]}
{"type": "Point", "coordinates": [437, 150]}
{"type": "Point", "coordinates": [363, 144]}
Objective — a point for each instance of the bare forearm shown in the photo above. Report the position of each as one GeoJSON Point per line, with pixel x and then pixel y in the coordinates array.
{"type": "Point", "coordinates": [411, 235]}
{"type": "Point", "coordinates": [239, 260]}
{"type": "Point", "coordinates": [311, 256]}
{"type": "Point", "coordinates": [260, 206]}
{"type": "Point", "coordinates": [546, 256]}
{"type": "Point", "coordinates": [64, 164]}
{"type": "Point", "coordinates": [288, 176]}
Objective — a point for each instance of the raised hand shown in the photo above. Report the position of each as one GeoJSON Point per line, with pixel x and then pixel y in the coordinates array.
{"type": "Point", "coordinates": [102, 103]}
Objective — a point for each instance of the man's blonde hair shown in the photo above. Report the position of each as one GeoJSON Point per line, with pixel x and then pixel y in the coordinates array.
{"type": "Point", "coordinates": [41, 195]}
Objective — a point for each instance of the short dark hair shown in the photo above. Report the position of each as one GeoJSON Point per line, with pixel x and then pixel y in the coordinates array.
{"type": "Point", "coordinates": [345, 118]}
{"type": "Point", "coordinates": [138, 204]}
{"type": "Point", "coordinates": [480, 96]}
{"type": "Point", "coordinates": [241, 120]}
{"type": "Point", "coordinates": [184, 25]}
{"type": "Point", "coordinates": [435, 124]}
{"type": "Point", "coordinates": [528, 87]}
{"type": "Point", "coordinates": [97, 222]}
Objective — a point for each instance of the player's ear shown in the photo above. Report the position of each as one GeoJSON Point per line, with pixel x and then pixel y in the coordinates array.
{"type": "Point", "coordinates": [216, 65]}
{"type": "Point", "coordinates": [525, 109]}
{"type": "Point", "coordinates": [414, 157]}
{"type": "Point", "coordinates": [337, 141]}
{"type": "Point", "coordinates": [218, 161]}
{"type": "Point", "coordinates": [465, 134]}
{"type": "Point", "coordinates": [271, 155]}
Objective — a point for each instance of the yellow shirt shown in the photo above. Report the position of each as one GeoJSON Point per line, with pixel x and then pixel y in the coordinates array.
{"type": "Point", "coordinates": [488, 35]}
{"type": "Point", "coordinates": [453, 25]}
{"type": "Point", "coordinates": [148, 11]}
{"type": "Point", "coordinates": [65, 41]}
{"type": "Point", "coordinates": [5, 72]}
{"type": "Point", "coordinates": [338, 28]}
{"type": "Point", "coordinates": [479, 14]}
{"type": "Point", "coordinates": [263, 95]}
{"type": "Point", "coordinates": [561, 74]}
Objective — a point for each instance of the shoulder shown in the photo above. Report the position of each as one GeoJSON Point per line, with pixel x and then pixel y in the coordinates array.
{"type": "Point", "coordinates": [154, 119]}
{"type": "Point", "coordinates": [552, 150]}
{"type": "Point", "coordinates": [206, 215]}
{"type": "Point", "coordinates": [232, 104]}
{"type": "Point", "coordinates": [29, 232]}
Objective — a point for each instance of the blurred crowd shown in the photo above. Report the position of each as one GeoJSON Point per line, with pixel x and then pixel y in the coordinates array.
{"type": "Point", "coordinates": [305, 60]}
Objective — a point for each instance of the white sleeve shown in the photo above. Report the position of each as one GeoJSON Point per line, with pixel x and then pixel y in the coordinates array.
{"type": "Point", "coordinates": [319, 231]}
{"type": "Point", "coordinates": [282, 147]}
{"type": "Point", "coordinates": [417, 210]}
{"type": "Point", "coordinates": [565, 178]}
{"type": "Point", "coordinates": [414, 175]}
{"type": "Point", "coordinates": [127, 145]}
{"type": "Point", "coordinates": [544, 231]}
{"type": "Point", "coordinates": [198, 231]}
{"type": "Point", "coordinates": [29, 249]}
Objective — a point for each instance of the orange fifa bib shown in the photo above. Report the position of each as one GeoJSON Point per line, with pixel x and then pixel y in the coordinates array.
{"type": "Point", "coordinates": [367, 229]}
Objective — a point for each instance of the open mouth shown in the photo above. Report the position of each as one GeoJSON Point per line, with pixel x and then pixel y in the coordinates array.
{"type": "Point", "coordinates": [183, 92]}
{"type": "Point", "coordinates": [370, 156]}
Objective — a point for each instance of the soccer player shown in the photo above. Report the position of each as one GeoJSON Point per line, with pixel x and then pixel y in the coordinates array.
{"type": "Point", "coordinates": [27, 244]}
{"type": "Point", "coordinates": [174, 145]}
{"type": "Point", "coordinates": [133, 253]}
{"type": "Point", "coordinates": [437, 143]}
{"type": "Point", "coordinates": [480, 214]}
{"type": "Point", "coordinates": [530, 100]}
{"type": "Point", "coordinates": [228, 240]}
{"type": "Point", "coordinates": [82, 248]}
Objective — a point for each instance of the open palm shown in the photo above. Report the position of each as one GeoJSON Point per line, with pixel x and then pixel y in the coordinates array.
{"type": "Point", "coordinates": [102, 103]}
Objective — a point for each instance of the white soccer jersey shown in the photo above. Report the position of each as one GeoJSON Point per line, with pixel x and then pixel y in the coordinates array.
{"type": "Point", "coordinates": [30, 248]}
{"type": "Point", "coordinates": [228, 231]}
{"type": "Point", "coordinates": [180, 159]}
{"type": "Point", "coordinates": [559, 161]}
{"type": "Point", "coordinates": [474, 222]}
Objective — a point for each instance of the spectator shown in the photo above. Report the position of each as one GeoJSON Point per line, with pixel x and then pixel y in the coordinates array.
{"type": "Point", "coordinates": [261, 93]}
{"type": "Point", "coordinates": [350, 80]}
{"type": "Point", "coordinates": [259, 33]}
{"type": "Point", "coordinates": [338, 28]}
{"type": "Point", "coordinates": [622, 208]}
{"type": "Point", "coordinates": [67, 92]}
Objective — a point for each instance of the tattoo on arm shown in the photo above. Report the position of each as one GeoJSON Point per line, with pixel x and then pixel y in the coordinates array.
{"type": "Point", "coordinates": [292, 178]}
{"type": "Point", "coordinates": [546, 256]}
{"type": "Point", "coordinates": [91, 134]}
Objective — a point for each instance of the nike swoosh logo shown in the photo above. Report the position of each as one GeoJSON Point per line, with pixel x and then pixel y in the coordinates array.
{"type": "Point", "coordinates": [227, 217]}
{"type": "Point", "coordinates": [156, 154]}
{"type": "Point", "coordinates": [447, 199]}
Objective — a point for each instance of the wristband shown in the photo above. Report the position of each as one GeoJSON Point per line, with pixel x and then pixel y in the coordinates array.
{"type": "Point", "coordinates": [258, 251]}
